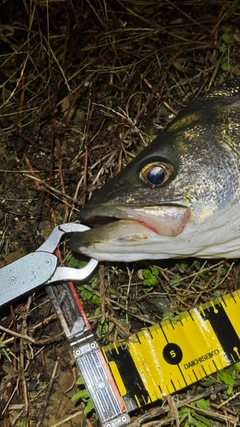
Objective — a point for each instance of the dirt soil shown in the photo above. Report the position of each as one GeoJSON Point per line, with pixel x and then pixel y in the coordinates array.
{"type": "Point", "coordinates": [85, 85]}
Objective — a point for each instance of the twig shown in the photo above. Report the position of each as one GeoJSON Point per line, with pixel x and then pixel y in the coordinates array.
{"type": "Point", "coordinates": [102, 291]}
{"type": "Point", "coordinates": [47, 395]}
{"type": "Point", "coordinates": [62, 422]}
{"type": "Point", "coordinates": [27, 338]}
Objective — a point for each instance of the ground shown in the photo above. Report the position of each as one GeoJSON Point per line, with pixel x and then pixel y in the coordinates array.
{"type": "Point", "coordinates": [84, 86]}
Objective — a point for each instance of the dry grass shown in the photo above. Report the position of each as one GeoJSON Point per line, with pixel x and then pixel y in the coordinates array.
{"type": "Point", "coordinates": [84, 86]}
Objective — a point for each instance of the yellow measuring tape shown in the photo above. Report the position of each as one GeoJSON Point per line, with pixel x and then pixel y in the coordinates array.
{"type": "Point", "coordinates": [170, 356]}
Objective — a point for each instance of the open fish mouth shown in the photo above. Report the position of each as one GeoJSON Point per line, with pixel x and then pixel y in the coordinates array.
{"type": "Point", "coordinates": [126, 225]}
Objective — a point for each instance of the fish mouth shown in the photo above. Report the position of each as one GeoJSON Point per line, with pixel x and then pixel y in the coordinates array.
{"type": "Point", "coordinates": [128, 225]}
{"type": "Point", "coordinates": [165, 220]}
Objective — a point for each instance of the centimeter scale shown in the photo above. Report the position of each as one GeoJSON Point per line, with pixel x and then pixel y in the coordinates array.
{"type": "Point", "coordinates": [154, 362]}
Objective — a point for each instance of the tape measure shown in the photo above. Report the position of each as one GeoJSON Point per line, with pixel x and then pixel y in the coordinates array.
{"type": "Point", "coordinates": [155, 362]}
{"type": "Point", "coordinates": [170, 356]}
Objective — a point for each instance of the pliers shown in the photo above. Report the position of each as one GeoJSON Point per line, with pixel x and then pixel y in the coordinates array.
{"type": "Point", "coordinates": [41, 267]}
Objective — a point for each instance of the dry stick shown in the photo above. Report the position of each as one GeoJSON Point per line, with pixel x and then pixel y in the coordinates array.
{"type": "Point", "coordinates": [211, 414]}
{"type": "Point", "coordinates": [49, 388]}
{"type": "Point", "coordinates": [3, 340]}
{"type": "Point", "coordinates": [85, 136]}
{"type": "Point", "coordinates": [156, 412]}
{"type": "Point", "coordinates": [61, 178]}
{"type": "Point", "coordinates": [21, 100]}
{"type": "Point", "coordinates": [137, 117]}
{"type": "Point", "coordinates": [89, 422]}
{"type": "Point", "coordinates": [113, 302]}
{"type": "Point", "coordinates": [119, 168]}
{"type": "Point", "coordinates": [154, 91]}
{"type": "Point", "coordinates": [160, 423]}
{"type": "Point", "coordinates": [130, 274]}
{"type": "Point", "coordinates": [204, 27]}
{"type": "Point", "coordinates": [12, 94]}
{"type": "Point", "coordinates": [228, 400]}
{"type": "Point", "coordinates": [22, 362]}
{"type": "Point", "coordinates": [44, 322]}
{"type": "Point", "coordinates": [173, 409]}
{"type": "Point", "coordinates": [102, 292]}
{"type": "Point", "coordinates": [27, 338]}
{"type": "Point", "coordinates": [53, 191]}
{"type": "Point", "coordinates": [10, 398]}
{"type": "Point", "coordinates": [51, 52]}
{"type": "Point", "coordinates": [36, 181]}
{"type": "Point", "coordinates": [69, 418]}
{"type": "Point", "coordinates": [84, 154]}
{"type": "Point", "coordinates": [51, 165]}
{"type": "Point", "coordinates": [85, 174]}
{"type": "Point", "coordinates": [116, 43]}
{"type": "Point", "coordinates": [120, 326]}
{"type": "Point", "coordinates": [14, 341]}
{"type": "Point", "coordinates": [216, 37]}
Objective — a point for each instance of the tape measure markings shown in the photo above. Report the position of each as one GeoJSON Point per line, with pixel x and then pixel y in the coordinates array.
{"type": "Point", "coordinates": [224, 330]}
{"type": "Point", "coordinates": [136, 395]}
{"type": "Point", "coordinates": [169, 356]}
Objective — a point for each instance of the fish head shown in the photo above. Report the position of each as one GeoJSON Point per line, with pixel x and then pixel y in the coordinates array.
{"type": "Point", "coordinates": [175, 196]}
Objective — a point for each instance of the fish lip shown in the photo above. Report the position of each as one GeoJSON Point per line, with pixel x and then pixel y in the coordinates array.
{"type": "Point", "coordinates": [169, 218]}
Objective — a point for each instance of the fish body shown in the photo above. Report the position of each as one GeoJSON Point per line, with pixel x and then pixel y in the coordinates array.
{"type": "Point", "coordinates": [180, 196]}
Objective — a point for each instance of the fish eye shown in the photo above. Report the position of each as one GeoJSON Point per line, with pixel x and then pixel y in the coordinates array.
{"type": "Point", "coordinates": [156, 173]}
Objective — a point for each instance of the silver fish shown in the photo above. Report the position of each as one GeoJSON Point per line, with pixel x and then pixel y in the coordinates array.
{"type": "Point", "coordinates": [180, 196]}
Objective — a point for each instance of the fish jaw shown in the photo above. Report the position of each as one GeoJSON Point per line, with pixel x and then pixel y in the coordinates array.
{"type": "Point", "coordinates": [116, 241]}
{"type": "Point", "coordinates": [165, 219]}
{"type": "Point", "coordinates": [130, 240]}
{"type": "Point", "coordinates": [130, 227]}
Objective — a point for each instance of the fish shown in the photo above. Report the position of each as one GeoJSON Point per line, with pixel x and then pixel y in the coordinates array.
{"type": "Point", "coordinates": [180, 196]}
